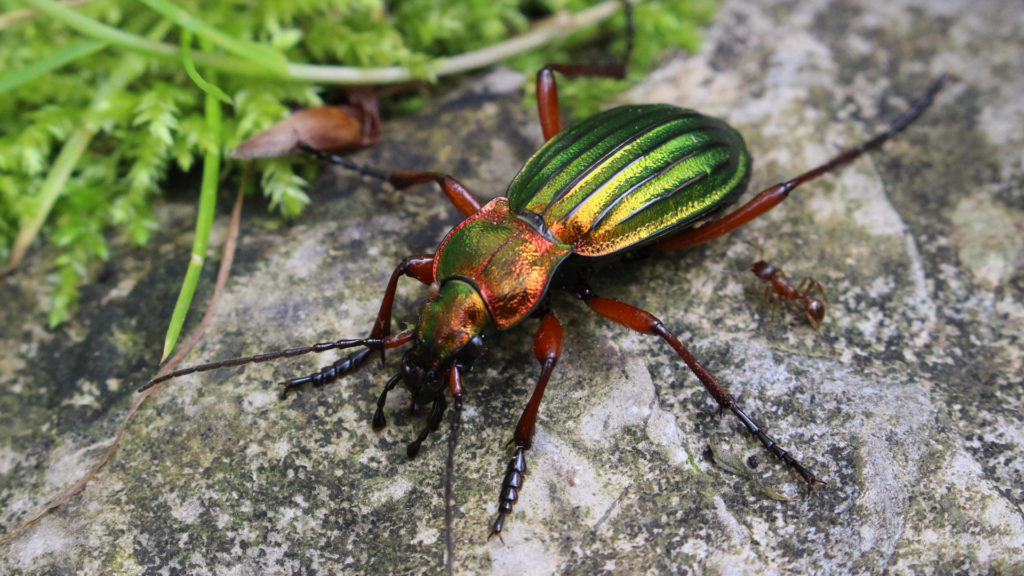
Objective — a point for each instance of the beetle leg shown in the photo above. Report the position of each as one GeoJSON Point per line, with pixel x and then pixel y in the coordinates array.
{"type": "Point", "coordinates": [420, 267]}
{"type": "Point", "coordinates": [771, 197]}
{"type": "Point", "coordinates": [547, 88]}
{"type": "Point", "coordinates": [289, 353]}
{"type": "Point", "coordinates": [457, 193]}
{"type": "Point", "coordinates": [547, 348]}
{"type": "Point", "coordinates": [437, 408]}
{"type": "Point", "coordinates": [646, 323]}
{"type": "Point", "coordinates": [344, 366]}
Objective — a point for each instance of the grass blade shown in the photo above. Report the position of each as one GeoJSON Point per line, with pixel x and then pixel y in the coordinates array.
{"type": "Point", "coordinates": [204, 218]}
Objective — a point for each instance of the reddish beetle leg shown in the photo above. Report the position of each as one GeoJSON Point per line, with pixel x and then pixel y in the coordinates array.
{"type": "Point", "coordinates": [646, 323]}
{"type": "Point", "coordinates": [547, 348]}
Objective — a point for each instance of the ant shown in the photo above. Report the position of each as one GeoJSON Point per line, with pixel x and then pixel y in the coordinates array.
{"type": "Point", "coordinates": [801, 297]}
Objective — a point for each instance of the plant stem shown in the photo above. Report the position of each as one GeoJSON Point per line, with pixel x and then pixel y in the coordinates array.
{"type": "Point", "coordinates": [559, 25]}
{"type": "Point", "coordinates": [15, 16]}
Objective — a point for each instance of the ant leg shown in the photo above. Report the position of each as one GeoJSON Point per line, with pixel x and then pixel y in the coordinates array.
{"type": "Point", "coordinates": [547, 348]}
{"type": "Point", "coordinates": [460, 196]}
{"type": "Point", "coordinates": [547, 88]}
{"type": "Point", "coordinates": [770, 299]}
{"type": "Point", "coordinates": [771, 197]}
{"type": "Point", "coordinates": [646, 323]}
{"type": "Point", "coordinates": [811, 286]}
{"type": "Point", "coordinates": [420, 267]}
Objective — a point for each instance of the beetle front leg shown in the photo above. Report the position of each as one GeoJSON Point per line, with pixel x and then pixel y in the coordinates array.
{"type": "Point", "coordinates": [437, 408]}
{"type": "Point", "coordinates": [420, 267]}
{"type": "Point", "coordinates": [547, 348]}
{"type": "Point", "coordinates": [344, 366]}
{"type": "Point", "coordinates": [646, 323]}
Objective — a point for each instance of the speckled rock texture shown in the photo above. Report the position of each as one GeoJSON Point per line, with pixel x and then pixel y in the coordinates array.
{"type": "Point", "coordinates": [909, 402]}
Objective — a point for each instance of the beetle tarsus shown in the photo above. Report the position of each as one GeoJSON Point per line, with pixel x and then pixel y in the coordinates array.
{"type": "Point", "coordinates": [437, 408]}
{"type": "Point", "coordinates": [772, 446]}
{"type": "Point", "coordinates": [330, 373]}
{"type": "Point", "coordinates": [510, 487]}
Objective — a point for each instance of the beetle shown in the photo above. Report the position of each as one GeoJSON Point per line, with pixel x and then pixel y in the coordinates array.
{"type": "Point", "coordinates": [632, 177]}
{"type": "Point", "coordinates": [801, 297]}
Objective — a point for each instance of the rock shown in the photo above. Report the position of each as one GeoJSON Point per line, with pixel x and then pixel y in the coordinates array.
{"type": "Point", "coordinates": [908, 403]}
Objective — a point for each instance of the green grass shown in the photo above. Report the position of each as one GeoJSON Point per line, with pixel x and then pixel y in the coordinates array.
{"type": "Point", "coordinates": [100, 100]}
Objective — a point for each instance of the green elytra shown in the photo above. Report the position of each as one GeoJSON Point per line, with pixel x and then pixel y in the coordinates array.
{"type": "Point", "coordinates": [631, 174]}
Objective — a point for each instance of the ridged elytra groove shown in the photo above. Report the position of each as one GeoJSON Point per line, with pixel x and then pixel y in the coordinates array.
{"type": "Point", "coordinates": [631, 174]}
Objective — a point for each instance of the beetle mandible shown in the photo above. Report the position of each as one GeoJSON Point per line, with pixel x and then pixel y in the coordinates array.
{"type": "Point", "coordinates": [652, 175]}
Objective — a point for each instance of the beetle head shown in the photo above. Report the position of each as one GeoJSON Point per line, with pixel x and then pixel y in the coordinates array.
{"type": "Point", "coordinates": [450, 331]}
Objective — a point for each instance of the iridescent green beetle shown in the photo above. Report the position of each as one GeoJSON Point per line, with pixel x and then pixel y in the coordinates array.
{"type": "Point", "coordinates": [629, 177]}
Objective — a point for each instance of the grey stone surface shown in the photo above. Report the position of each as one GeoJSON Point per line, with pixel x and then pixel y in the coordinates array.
{"type": "Point", "coordinates": [909, 403]}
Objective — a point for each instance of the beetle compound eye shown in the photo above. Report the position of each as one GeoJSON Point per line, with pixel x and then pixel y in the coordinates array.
{"type": "Point", "coordinates": [473, 349]}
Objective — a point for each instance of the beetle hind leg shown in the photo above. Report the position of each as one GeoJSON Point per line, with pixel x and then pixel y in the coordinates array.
{"type": "Point", "coordinates": [772, 196]}
{"type": "Point", "coordinates": [547, 88]}
{"type": "Point", "coordinates": [646, 323]}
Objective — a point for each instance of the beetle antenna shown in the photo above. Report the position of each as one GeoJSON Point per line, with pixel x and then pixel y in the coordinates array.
{"type": "Point", "coordinates": [456, 390]}
{"type": "Point", "coordinates": [449, 480]}
{"type": "Point", "coordinates": [345, 163]}
{"type": "Point", "coordinates": [906, 119]}
{"type": "Point", "coordinates": [319, 347]}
